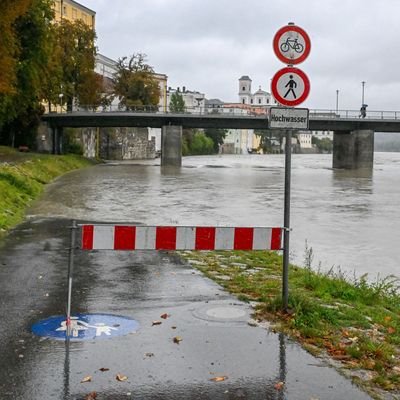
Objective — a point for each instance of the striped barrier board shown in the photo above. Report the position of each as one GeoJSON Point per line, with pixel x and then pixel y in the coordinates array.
{"type": "Point", "coordinates": [128, 237]}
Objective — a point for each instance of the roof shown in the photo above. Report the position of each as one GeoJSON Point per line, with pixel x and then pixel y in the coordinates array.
{"type": "Point", "coordinates": [82, 6]}
{"type": "Point", "coordinates": [244, 78]}
{"type": "Point", "coordinates": [259, 91]}
{"type": "Point", "coordinates": [214, 101]}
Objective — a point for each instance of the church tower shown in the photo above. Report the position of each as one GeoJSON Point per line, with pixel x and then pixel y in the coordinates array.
{"type": "Point", "coordinates": [245, 90]}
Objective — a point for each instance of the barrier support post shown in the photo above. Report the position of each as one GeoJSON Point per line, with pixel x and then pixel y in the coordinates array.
{"type": "Point", "coordinates": [286, 223]}
{"type": "Point", "coordinates": [74, 227]}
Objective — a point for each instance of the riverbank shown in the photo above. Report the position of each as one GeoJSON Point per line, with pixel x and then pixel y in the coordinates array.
{"type": "Point", "coordinates": [352, 324]}
{"type": "Point", "coordinates": [23, 177]}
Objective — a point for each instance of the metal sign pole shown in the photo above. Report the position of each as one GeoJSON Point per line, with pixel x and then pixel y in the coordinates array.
{"type": "Point", "coordinates": [74, 227]}
{"type": "Point", "coordinates": [286, 223]}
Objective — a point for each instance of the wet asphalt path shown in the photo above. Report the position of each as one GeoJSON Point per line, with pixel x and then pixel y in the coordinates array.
{"type": "Point", "coordinates": [141, 286]}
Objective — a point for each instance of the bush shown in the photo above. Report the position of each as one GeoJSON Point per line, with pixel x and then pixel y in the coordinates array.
{"type": "Point", "coordinates": [201, 144]}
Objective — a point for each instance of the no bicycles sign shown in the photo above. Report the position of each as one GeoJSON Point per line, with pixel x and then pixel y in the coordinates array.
{"type": "Point", "coordinates": [290, 86]}
{"type": "Point", "coordinates": [291, 44]}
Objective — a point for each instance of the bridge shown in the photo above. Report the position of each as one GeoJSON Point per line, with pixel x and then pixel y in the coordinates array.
{"type": "Point", "coordinates": [353, 142]}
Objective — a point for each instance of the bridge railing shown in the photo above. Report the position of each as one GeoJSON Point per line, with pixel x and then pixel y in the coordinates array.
{"type": "Point", "coordinates": [233, 110]}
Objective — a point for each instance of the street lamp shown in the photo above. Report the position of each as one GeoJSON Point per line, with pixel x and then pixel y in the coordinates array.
{"type": "Point", "coordinates": [337, 100]}
{"type": "Point", "coordinates": [362, 97]}
{"type": "Point", "coordinates": [61, 95]}
{"type": "Point", "coordinates": [363, 110]}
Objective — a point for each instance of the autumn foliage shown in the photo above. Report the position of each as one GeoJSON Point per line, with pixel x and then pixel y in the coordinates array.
{"type": "Point", "coordinates": [11, 10]}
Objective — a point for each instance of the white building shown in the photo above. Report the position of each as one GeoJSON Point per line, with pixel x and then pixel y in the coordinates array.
{"type": "Point", "coordinates": [304, 140]}
{"type": "Point", "coordinates": [194, 101]}
{"type": "Point", "coordinates": [259, 98]}
{"type": "Point", "coordinates": [323, 134]}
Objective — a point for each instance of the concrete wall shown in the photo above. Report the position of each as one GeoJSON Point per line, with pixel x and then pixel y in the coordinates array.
{"type": "Point", "coordinates": [126, 144]}
{"type": "Point", "coordinates": [353, 150]}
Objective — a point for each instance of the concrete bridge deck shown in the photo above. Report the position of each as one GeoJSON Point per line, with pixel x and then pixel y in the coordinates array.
{"type": "Point", "coordinates": [343, 122]}
{"type": "Point", "coordinates": [353, 140]}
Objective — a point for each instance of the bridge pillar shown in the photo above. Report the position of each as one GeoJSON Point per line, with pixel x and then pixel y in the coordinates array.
{"type": "Point", "coordinates": [353, 149]}
{"type": "Point", "coordinates": [58, 140]}
{"type": "Point", "coordinates": [171, 145]}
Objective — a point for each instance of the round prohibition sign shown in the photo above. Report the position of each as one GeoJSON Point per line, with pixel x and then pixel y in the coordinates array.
{"type": "Point", "coordinates": [292, 44]}
{"type": "Point", "coordinates": [290, 86]}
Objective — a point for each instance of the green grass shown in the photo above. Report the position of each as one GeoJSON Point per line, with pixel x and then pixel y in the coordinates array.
{"type": "Point", "coordinates": [347, 318]}
{"type": "Point", "coordinates": [23, 177]}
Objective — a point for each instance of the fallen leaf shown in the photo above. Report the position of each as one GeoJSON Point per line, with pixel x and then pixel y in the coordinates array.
{"type": "Point", "coordinates": [173, 327]}
{"type": "Point", "coordinates": [121, 378]}
{"type": "Point", "coordinates": [391, 330]}
{"type": "Point", "coordinates": [86, 379]}
{"type": "Point", "coordinates": [149, 355]}
{"type": "Point", "coordinates": [156, 323]}
{"type": "Point", "coordinates": [91, 396]}
{"type": "Point", "coordinates": [219, 378]}
{"type": "Point", "coordinates": [177, 339]}
{"type": "Point", "coordinates": [388, 318]}
{"type": "Point", "coordinates": [104, 369]}
{"type": "Point", "coordinates": [164, 316]}
{"type": "Point", "coordinates": [279, 385]}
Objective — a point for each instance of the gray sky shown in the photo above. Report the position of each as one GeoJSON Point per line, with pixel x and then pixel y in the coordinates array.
{"type": "Point", "coordinates": [207, 45]}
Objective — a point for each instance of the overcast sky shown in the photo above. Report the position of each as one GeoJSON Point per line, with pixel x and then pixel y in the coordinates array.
{"type": "Point", "coordinates": [207, 45]}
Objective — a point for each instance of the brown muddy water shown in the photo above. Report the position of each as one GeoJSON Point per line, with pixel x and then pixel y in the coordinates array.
{"type": "Point", "coordinates": [350, 218]}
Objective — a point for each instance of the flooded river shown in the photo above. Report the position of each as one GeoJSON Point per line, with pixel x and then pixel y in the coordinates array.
{"type": "Point", "coordinates": [350, 219]}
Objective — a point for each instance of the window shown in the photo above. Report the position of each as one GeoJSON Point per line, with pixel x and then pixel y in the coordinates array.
{"type": "Point", "coordinates": [251, 101]}
{"type": "Point", "coordinates": [267, 101]}
{"type": "Point", "coordinates": [64, 10]}
{"type": "Point", "coordinates": [244, 88]}
{"type": "Point", "coordinates": [244, 101]}
{"type": "Point", "coordinates": [74, 13]}
{"type": "Point", "coordinates": [259, 101]}
{"type": "Point", "coordinates": [84, 17]}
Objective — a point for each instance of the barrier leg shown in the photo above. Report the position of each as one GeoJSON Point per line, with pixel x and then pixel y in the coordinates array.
{"type": "Point", "coordinates": [74, 227]}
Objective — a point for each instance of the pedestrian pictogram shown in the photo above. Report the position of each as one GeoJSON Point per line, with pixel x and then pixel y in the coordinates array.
{"type": "Point", "coordinates": [291, 44]}
{"type": "Point", "coordinates": [85, 327]}
{"type": "Point", "coordinates": [290, 86]}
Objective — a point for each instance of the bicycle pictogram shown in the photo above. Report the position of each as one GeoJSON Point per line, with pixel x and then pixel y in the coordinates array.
{"type": "Point", "coordinates": [292, 44]}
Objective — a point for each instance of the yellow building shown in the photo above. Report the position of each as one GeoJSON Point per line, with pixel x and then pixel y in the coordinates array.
{"type": "Point", "coordinates": [72, 11]}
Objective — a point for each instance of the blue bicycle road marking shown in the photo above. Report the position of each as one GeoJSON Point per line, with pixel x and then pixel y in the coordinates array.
{"type": "Point", "coordinates": [85, 327]}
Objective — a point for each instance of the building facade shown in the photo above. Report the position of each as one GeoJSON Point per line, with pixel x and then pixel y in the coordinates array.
{"type": "Point", "coordinates": [72, 10]}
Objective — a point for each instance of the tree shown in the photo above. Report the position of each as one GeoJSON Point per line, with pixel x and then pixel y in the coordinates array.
{"type": "Point", "coordinates": [11, 10]}
{"type": "Point", "coordinates": [267, 136]}
{"type": "Point", "coordinates": [323, 145]}
{"type": "Point", "coordinates": [135, 83]}
{"type": "Point", "coordinates": [76, 50]}
{"type": "Point", "coordinates": [217, 135]}
{"type": "Point", "coordinates": [20, 107]}
{"type": "Point", "coordinates": [177, 104]}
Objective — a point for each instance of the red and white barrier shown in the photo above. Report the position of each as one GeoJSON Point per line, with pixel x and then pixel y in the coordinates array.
{"type": "Point", "coordinates": [118, 237]}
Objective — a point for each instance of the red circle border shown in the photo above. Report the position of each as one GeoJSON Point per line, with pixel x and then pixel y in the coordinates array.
{"type": "Point", "coordinates": [274, 85]}
{"type": "Point", "coordinates": [302, 32]}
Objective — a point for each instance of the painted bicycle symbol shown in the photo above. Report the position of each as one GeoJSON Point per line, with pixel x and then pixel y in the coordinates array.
{"type": "Point", "coordinates": [292, 44]}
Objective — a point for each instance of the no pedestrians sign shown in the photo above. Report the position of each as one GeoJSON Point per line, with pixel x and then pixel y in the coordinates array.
{"type": "Point", "coordinates": [290, 86]}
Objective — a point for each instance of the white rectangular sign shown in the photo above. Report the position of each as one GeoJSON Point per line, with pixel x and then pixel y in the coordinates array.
{"type": "Point", "coordinates": [288, 118]}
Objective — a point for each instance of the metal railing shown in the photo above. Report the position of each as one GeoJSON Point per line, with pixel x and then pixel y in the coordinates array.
{"type": "Point", "coordinates": [234, 111]}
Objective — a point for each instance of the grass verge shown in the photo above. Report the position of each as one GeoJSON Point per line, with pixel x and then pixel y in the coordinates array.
{"type": "Point", "coordinates": [23, 177]}
{"type": "Point", "coordinates": [348, 320]}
